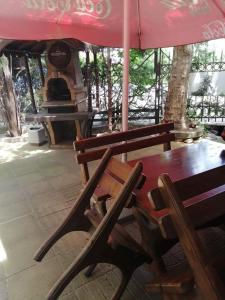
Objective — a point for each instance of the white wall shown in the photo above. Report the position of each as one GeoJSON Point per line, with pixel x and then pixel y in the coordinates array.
{"type": "Point", "coordinates": [217, 85]}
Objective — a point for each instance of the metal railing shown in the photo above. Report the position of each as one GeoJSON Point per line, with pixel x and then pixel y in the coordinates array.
{"type": "Point", "coordinates": [206, 108]}
{"type": "Point", "coordinates": [148, 116]}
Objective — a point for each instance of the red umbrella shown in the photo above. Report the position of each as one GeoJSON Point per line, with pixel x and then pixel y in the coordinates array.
{"type": "Point", "coordinates": [147, 23]}
{"type": "Point", "coordinates": [153, 23]}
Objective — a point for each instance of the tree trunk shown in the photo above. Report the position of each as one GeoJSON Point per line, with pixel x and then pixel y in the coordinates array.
{"type": "Point", "coordinates": [176, 101]}
{"type": "Point", "coordinates": [9, 99]}
{"type": "Point", "coordinates": [29, 80]}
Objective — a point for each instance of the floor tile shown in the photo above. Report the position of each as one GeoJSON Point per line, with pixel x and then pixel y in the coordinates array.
{"type": "Point", "coordinates": [15, 210]}
{"type": "Point", "coordinates": [3, 290]}
{"type": "Point", "coordinates": [46, 203]}
{"type": "Point", "coordinates": [34, 283]}
{"type": "Point", "coordinates": [13, 195]}
{"type": "Point", "coordinates": [20, 239]}
{"type": "Point", "coordinates": [37, 188]}
{"type": "Point", "coordinates": [67, 258]}
{"type": "Point", "coordinates": [7, 185]}
{"type": "Point", "coordinates": [25, 180]}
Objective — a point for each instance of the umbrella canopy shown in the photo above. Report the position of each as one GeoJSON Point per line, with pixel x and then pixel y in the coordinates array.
{"type": "Point", "coordinates": [153, 23]}
{"type": "Point", "coordinates": [115, 23]}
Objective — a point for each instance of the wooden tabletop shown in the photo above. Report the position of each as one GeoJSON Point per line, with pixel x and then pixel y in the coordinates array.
{"type": "Point", "coordinates": [179, 164]}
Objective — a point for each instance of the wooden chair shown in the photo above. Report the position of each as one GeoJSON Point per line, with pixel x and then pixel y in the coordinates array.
{"type": "Point", "coordinates": [200, 255]}
{"type": "Point", "coordinates": [110, 243]}
{"type": "Point", "coordinates": [92, 149]}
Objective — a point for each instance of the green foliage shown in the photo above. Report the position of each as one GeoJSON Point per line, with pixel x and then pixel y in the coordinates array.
{"type": "Point", "coordinates": [22, 87]}
{"type": "Point", "coordinates": [201, 53]}
{"type": "Point", "coordinates": [141, 72]}
{"type": "Point", "coordinates": [204, 87]}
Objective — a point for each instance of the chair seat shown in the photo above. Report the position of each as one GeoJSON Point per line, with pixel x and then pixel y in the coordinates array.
{"type": "Point", "coordinates": [213, 240]}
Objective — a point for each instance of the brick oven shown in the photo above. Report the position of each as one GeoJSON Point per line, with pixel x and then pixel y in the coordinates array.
{"type": "Point", "coordinates": [64, 92]}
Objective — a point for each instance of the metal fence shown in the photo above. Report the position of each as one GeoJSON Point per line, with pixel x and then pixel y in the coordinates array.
{"type": "Point", "coordinates": [136, 117]}
{"type": "Point", "coordinates": [199, 108]}
{"type": "Point", "coordinates": [206, 108]}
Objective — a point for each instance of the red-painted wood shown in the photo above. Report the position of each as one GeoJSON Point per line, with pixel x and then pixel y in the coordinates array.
{"type": "Point", "coordinates": [179, 164]}
{"type": "Point", "coordinates": [118, 137]}
{"type": "Point", "coordinates": [86, 157]}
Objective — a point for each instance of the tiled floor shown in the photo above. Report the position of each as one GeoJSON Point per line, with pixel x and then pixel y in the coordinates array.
{"type": "Point", "coordinates": [37, 188]}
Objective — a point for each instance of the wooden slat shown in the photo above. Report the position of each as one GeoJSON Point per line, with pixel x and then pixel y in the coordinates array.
{"type": "Point", "coordinates": [199, 213]}
{"type": "Point", "coordinates": [124, 148]}
{"type": "Point", "coordinates": [205, 276]}
{"type": "Point", "coordinates": [202, 183]}
{"type": "Point", "coordinates": [110, 184]}
{"type": "Point", "coordinates": [178, 281]}
{"type": "Point", "coordinates": [100, 194]}
{"type": "Point", "coordinates": [192, 186]}
{"type": "Point", "coordinates": [124, 169]}
{"type": "Point", "coordinates": [123, 136]}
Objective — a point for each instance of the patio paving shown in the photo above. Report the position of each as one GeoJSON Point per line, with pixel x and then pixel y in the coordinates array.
{"type": "Point", "coordinates": [37, 188]}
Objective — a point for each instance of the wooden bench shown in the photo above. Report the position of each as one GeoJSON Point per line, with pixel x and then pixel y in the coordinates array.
{"type": "Point", "coordinates": [200, 253]}
{"type": "Point", "coordinates": [109, 243]}
{"type": "Point", "coordinates": [92, 149]}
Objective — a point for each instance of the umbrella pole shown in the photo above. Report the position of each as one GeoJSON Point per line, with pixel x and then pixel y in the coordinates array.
{"type": "Point", "coordinates": [126, 64]}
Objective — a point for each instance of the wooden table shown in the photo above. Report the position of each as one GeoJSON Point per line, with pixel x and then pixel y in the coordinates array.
{"type": "Point", "coordinates": [179, 164]}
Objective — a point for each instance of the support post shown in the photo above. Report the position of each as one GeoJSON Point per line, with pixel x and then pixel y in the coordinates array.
{"type": "Point", "coordinates": [96, 77]}
{"type": "Point", "coordinates": [126, 64]}
{"type": "Point", "coordinates": [88, 80]}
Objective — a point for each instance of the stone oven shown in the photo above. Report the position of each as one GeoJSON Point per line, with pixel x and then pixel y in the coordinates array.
{"type": "Point", "coordinates": [64, 91]}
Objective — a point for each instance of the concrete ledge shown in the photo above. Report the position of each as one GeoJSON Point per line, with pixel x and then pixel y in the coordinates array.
{"type": "Point", "coordinates": [190, 133]}
{"type": "Point", "coordinates": [18, 139]}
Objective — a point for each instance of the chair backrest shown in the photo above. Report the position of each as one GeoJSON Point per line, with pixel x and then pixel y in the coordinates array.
{"type": "Point", "coordinates": [202, 195]}
{"type": "Point", "coordinates": [185, 221]}
{"type": "Point", "coordinates": [111, 182]}
{"type": "Point", "coordinates": [120, 181]}
{"type": "Point", "coordinates": [122, 142]}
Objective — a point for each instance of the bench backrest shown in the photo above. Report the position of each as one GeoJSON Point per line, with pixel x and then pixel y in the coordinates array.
{"type": "Point", "coordinates": [202, 196]}
{"type": "Point", "coordinates": [185, 221]}
{"type": "Point", "coordinates": [122, 142]}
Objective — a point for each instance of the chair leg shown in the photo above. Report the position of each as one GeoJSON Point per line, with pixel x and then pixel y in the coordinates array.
{"type": "Point", "coordinates": [124, 282]}
{"type": "Point", "coordinates": [46, 246]}
{"type": "Point", "coordinates": [77, 266]}
{"type": "Point", "coordinates": [82, 223]}
{"type": "Point", "coordinates": [90, 270]}
{"type": "Point", "coordinates": [73, 271]}
{"type": "Point", "coordinates": [126, 261]}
